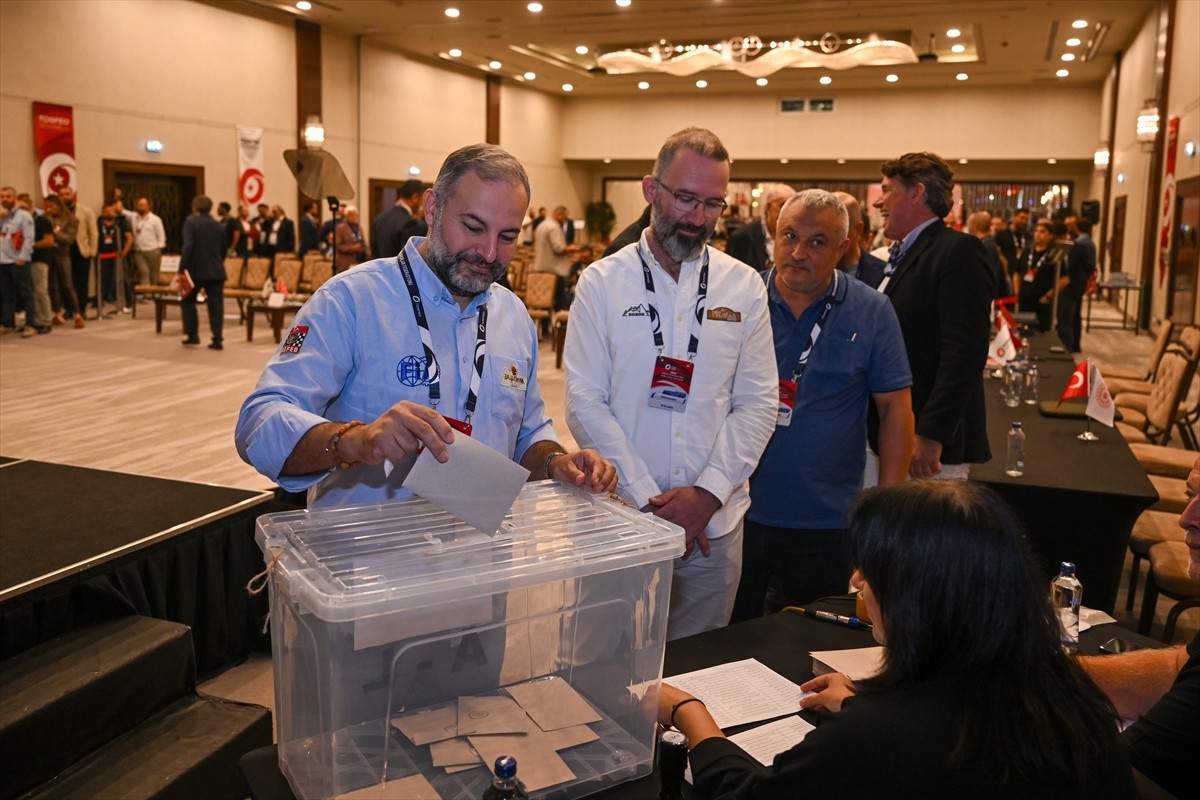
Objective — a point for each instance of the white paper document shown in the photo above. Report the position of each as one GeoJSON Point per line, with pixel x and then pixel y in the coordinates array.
{"type": "Point", "coordinates": [857, 664]}
{"type": "Point", "coordinates": [741, 692]}
{"type": "Point", "coordinates": [476, 484]}
{"type": "Point", "coordinates": [767, 741]}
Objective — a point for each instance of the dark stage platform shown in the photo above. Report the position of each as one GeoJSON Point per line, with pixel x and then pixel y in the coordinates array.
{"type": "Point", "coordinates": [80, 545]}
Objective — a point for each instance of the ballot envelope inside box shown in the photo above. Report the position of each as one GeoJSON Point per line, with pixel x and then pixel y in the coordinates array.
{"type": "Point", "coordinates": [382, 613]}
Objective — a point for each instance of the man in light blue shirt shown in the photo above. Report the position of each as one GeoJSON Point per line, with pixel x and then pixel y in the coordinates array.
{"type": "Point", "coordinates": [381, 352]}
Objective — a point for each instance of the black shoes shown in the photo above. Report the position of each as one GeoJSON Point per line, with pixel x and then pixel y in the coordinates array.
{"type": "Point", "coordinates": [191, 342]}
{"type": "Point", "coordinates": [216, 346]}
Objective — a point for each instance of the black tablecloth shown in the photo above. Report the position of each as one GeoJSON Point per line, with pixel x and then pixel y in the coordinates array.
{"type": "Point", "coordinates": [781, 641]}
{"type": "Point", "coordinates": [1078, 500]}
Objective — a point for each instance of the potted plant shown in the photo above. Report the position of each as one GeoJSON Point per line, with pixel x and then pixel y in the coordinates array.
{"type": "Point", "coordinates": [600, 219]}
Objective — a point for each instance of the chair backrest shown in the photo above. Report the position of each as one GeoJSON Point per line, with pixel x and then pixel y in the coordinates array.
{"type": "Point", "coordinates": [1160, 346]}
{"type": "Point", "coordinates": [1189, 337]}
{"type": "Point", "coordinates": [288, 271]}
{"type": "Point", "coordinates": [518, 268]}
{"type": "Point", "coordinates": [257, 271]}
{"type": "Point", "coordinates": [1171, 381]}
{"type": "Point", "coordinates": [233, 272]}
{"type": "Point", "coordinates": [280, 256]}
{"type": "Point", "coordinates": [539, 290]}
{"type": "Point", "coordinates": [316, 271]}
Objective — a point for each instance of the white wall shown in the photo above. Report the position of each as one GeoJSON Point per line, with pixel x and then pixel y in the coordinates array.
{"type": "Point", "coordinates": [139, 70]}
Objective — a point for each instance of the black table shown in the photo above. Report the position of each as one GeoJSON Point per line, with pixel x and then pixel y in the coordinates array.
{"type": "Point", "coordinates": [1078, 500]}
{"type": "Point", "coordinates": [780, 641]}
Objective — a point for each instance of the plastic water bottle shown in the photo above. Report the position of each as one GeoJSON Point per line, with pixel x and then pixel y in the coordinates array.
{"type": "Point", "coordinates": [1066, 591]}
{"type": "Point", "coordinates": [1031, 385]}
{"type": "Point", "coordinates": [672, 762]}
{"type": "Point", "coordinates": [1014, 462]}
{"type": "Point", "coordinates": [506, 786]}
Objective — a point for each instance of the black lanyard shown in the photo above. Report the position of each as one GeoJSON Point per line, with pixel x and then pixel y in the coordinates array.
{"type": "Point", "coordinates": [701, 296]}
{"type": "Point", "coordinates": [1038, 265]}
{"type": "Point", "coordinates": [434, 372]}
{"type": "Point", "coordinates": [814, 333]}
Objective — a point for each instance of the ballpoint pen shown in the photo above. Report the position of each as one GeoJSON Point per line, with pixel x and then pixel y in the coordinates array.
{"type": "Point", "coordinates": [829, 616]}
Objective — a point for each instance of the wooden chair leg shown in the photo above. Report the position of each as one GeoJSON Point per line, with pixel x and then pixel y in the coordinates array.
{"type": "Point", "coordinates": [1149, 604]}
{"type": "Point", "coordinates": [1134, 572]}
{"type": "Point", "coordinates": [1173, 617]}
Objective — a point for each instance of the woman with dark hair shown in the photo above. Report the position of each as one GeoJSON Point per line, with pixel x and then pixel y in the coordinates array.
{"type": "Point", "coordinates": [976, 697]}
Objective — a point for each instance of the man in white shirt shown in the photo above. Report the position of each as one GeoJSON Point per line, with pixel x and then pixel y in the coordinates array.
{"type": "Point", "coordinates": [149, 239]}
{"type": "Point", "coordinates": [671, 374]}
{"type": "Point", "coordinates": [552, 253]}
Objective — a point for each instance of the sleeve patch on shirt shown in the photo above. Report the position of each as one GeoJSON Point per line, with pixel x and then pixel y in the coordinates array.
{"type": "Point", "coordinates": [295, 339]}
{"type": "Point", "coordinates": [724, 314]}
{"type": "Point", "coordinates": [512, 379]}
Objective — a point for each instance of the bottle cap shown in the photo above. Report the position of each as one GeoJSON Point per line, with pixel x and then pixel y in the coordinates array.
{"type": "Point", "coordinates": [506, 767]}
{"type": "Point", "coordinates": [1016, 426]}
{"type": "Point", "coordinates": [1067, 568]}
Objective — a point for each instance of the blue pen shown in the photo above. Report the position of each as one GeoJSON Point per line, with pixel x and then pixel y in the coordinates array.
{"type": "Point", "coordinates": [829, 616]}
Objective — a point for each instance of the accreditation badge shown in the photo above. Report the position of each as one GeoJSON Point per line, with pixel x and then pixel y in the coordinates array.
{"type": "Point", "coordinates": [671, 383]}
{"type": "Point", "coordinates": [787, 403]}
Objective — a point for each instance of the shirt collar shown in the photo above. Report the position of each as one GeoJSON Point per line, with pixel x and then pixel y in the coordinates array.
{"type": "Point", "coordinates": [908, 240]}
{"type": "Point", "coordinates": [431, 286]}
{"type": "Point", "coordinates": [837, 289]}
{"type": "Point", "coordinates": [692, 265]}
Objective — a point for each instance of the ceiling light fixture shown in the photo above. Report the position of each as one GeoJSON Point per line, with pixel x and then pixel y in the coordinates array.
{"type": "Point", "coordinates": [701, 84]}
{"type": "Point", "coordinates": [154, 145]}
{"type": "Point", "coordinates": [825, 80]}
{"type": "Point", "coordinates": [455, 52]}
{"type": "Point", "coordinates": [414, 170]}
{"type": "Point", "coordinates": [892, 78]}
{"type": "Point", "coordinates": [534, 7]}
{"type": "Point", "coordinates": [530, 76]}
{"type": "Point", "coordinates": [1073, 42]}
{"type": "Point", "coordinates": [1079, 23]}
{"type": "Point", "coordinates": [1051, 160]}
{"type": "Point", "coordinates": [953, 33]}
{"type": "Point", "coordinates": [1062, 73]}
{"type": "Point", "coordinates": [452, 13]}
{"type": "Point", "coordinates": [608, 161]}
{"type": "Point", "coordinates": [581, 50]}
{"type": "Point", "coordinates": [962, 161]}
{"type": "Point", "coordinates": [762, 82]}
{"type": "Point", "coordinates": [962, 76]}
{"type": "Point", "coordinates": [624, 3]}
{"type": "Point", "coordinates": [314, 133]}
{"type": "Point", "coordinates": [841, 161]}
{"type": "Point", "coordinates": [494, 65]}
{"type": "Point", "coordinates": [1068, 56]}
{"type": "Point", "coordinates": [304, 5]}
{"type": "Point", "coordinates": [643, 84]}
{"type": "Point", "coordinates": [783, 161]}
{"type": "Point", "coordinates": [1102, 157]}
{"type": "Point", "coordinates": [958, 48]}
{"type": "Point", "coordinates": [566, 87]}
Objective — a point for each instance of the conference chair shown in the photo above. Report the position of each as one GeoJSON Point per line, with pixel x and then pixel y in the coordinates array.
{"type": "Point", "coordinates": [1123, 380]}
{"type": "Point", "coordinates": [539, 297]}
{"type": "Point", "coordinates": [1171, 380]}
{"type": "Point", "coordinates": [287, 271]}
{"type": "Point", "coordinates": [316, 271]}
{"type": "Point", "coordinates": [1150, 529]}
{"type": "Point", "coordinates": [1168, 576]}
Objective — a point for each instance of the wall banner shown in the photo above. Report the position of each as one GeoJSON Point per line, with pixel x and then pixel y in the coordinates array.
{"type": "Point", "coordinates": [1168, 201]}
{"type": "Point", "coordinates": [54, 143]}
{"type": "Point", "coordinates": [250, 165]}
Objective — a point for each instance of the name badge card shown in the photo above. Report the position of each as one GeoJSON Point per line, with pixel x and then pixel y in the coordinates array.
{"type": "Point", "coordinates": [671, 383]}
{"type": "Point", "coordinates": [787, 403]}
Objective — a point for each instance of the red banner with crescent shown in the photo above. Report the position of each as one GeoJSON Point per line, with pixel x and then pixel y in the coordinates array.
{"type": "Point", "coordinates": [251, 186]}
{"type": "Point", "coordinates": [54, 144]}
{"type": "Point", "coordinates": [1168, 200]}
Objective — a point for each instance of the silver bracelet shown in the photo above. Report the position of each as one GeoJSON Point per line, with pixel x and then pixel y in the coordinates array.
{"type": "Point", "coordinates": [549, 458]}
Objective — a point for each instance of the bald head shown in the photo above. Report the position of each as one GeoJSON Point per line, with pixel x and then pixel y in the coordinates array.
{"type": "Point", "coordinates": [979, 224]}
{"type": "Point", "coordinates": [854, 210]}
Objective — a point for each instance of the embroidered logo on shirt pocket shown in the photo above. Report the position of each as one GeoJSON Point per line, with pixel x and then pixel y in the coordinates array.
{"type": "Point", "coordinates": [724, 314]}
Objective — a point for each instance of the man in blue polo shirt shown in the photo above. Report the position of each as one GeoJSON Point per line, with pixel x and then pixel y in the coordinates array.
{"type": "Point", "coordinates": [381, 352]}
{"type": "Point", "coordinates": [838, 347]}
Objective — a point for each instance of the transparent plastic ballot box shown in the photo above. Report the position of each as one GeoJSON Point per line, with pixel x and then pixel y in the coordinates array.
{"type": "Point", "coordinates": [409, 647]}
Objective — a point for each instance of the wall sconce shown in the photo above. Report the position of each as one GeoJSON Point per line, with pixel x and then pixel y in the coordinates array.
{"type": "Point", "coordinates": [314, 133]}
{"type": "Point", "coordinates": [1102, 157]}
{"type": "Point", "coordinates": [1147, 124]}
{"type": "Point", "coordinates": [1189, 149]}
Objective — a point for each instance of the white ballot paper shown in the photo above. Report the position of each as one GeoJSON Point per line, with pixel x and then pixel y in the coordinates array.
{"type": "Point", "coordinates": [741, 692]}
{"type": "Point", "coordinates": [476, 484]}
{"type": "Point", "coordinates": [767, 741]}
{"type": "Point", "coordinates": [857, 664]}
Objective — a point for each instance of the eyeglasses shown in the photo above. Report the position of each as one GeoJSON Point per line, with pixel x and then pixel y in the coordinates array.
{"type": "Point", "coordinates": [686, 203]}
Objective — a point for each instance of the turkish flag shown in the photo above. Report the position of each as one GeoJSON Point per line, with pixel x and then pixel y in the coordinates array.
{"type": "Point", "coordinates": [1078, 385]}
{"type": "Point", "coordinates": [1005, 317]}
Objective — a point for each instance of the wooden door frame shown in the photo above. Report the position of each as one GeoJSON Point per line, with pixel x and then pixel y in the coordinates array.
{"type": "Point", "coordinates": [112, 167]}
{"type": "Point", "coordinates": [1188, 187]}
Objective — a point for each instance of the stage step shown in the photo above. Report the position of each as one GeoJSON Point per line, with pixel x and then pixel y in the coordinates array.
{"type": "Point", "coordinates": [119, 695]}
{"type": "Point", "coordinates": [189, 750]}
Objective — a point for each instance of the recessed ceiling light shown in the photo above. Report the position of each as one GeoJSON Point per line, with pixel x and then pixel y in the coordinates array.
{"type": "Point", "coordinates": [534, 7]}
{"type": "Point", "coordinates": [582, 49]}
{"type": "Point", "coordinates": [841, 161]}
{"type": "Point", "coordinates": [452, 12]}
{"type": "Point", "coordinates": [962, 161]}
{"type": "Point", "coordinates": [1062, 73]}
{"type": "Point", "coordinates": [1073, 42]}
{"type": "Point", "coordinates": [643, 84]}
{"type": "Point", "coordinates": [1051, 160]}
{"type": "Point", "coordinates": [304, 5]}
{"type": "Point", "coordinates": [783, 161]}
{"type": "Point", "coordinates": [825, 80]}
{"type": "Point", "coordinates": [624, 3]}
{"type": "Point", "coordinates": [1068, 56]}
{"type": "Point", "coordinates": [962, 76]}
{"type": "Point", "coordinates": [893, 78]}
{"type": "Point", "coordinates": [954, 33]}
{"type": "Point", "coordinates": [530, 76]}
{"type": "Point", "coordinates": [958, 48]}
{"type": "Point", "coordinates": [568, 87]}
{"type": "Point", "coordinates": [1079, 23]}
{"type": "Point", "coordinates": [701, 84]}
{"type": "Point", "coordinates": [495, 64]}
{"type": "Point", "coordinates": [762, 81]}
{"type": "Point", "coordinates": [455, 52]}
{"type": "Point", "coordinates": [608, 161]}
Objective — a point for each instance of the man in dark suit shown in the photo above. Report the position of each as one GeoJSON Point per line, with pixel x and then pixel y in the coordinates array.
{"type": "Point", "coordinates": [391, 230]}
{"type": "Point", "coordinates": [857, 262]}
{"type": "Point", "coordinates": [310, 233]}
{"type": "Point", "coordinates": [1081, 263]}
{"type": "Point", "coordinates": [1014, 240]}
{"type": "Point", "coordinates": [753, 243]}
{"type": "Point", "coordinates": [283, 232]}
{"type": "Point", "coordinates": [941, 283]}
{"type": "Point", "coordinates": [568, 229]}
{"type": "Point", "coordinates": [203, 257]}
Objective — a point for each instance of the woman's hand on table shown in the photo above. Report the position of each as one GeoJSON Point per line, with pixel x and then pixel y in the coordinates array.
{"type": "Point", "coordinates": [831, 690]}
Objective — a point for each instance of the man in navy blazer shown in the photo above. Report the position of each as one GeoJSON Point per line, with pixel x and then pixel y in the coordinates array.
{"type": "Point", "coordinates": [857, 262]}
{"type": "Point", "coordinates": [753, 243]}
{"type": "Point", "coordinates": [941, 285]}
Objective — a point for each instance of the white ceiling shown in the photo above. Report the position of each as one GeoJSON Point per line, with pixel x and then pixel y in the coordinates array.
{"type": "Point", "coordinates": [1017, 42]}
